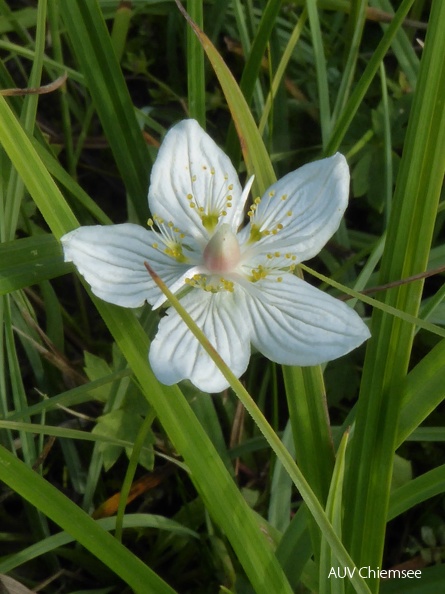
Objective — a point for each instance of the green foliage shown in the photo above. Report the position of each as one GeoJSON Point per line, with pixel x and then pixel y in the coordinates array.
{"type": "Point", "coordinates": [331, 466]}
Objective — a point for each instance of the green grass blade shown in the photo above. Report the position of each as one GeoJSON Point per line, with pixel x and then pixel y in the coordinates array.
{"type": "Point", "coordinates": [250, 76]}
{"type": "Point", "coordinates": [281, 69]}
{"type": "Point", "coordinates": [195, 66]}
{"type": "Point", "coordinates": [73, 520]}
{"type": "Point", "coordinates": [422, 391]}
{"type": "Point", "coordinates": [25, 262]}
{"type": "Point", "coordinates": [402, 46]}
{"type": "Point", "coordinates": [414, 492]}
{"type": "Point", "coordinates": [354, 34]}
{"type": "Point", "coordinates": [321, 69]}
{"type": "Point", "coordinates": [310, 426]}
{"type": "Point", "coordinates": [406, 252]}
{"type": "Point", "coordinates": [334, 511]}
{"type": "Point", "coordinates": [94, 50]}
{"type": "Point", "coordinates": [61, 539]}
{"type": "Point", "coordinates": [341, 125]}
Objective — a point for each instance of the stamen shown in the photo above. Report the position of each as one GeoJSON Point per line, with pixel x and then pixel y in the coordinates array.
{"type": "Point", "coordinates": [212, 206]}
{"type": "Point", "coordinates": [170, 237]}
{"type": "Point", "coordinates": [210, 284]}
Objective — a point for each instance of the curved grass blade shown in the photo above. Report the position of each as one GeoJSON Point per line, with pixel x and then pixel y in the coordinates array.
{"type": "Point", "coordinates": [32, 487]}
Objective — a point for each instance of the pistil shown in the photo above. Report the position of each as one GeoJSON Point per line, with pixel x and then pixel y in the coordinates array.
{"type": "Point", "coordinates": [222, 253]}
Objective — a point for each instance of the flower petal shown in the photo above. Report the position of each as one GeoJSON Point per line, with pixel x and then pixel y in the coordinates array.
{"type": "Point", "coordinates": [111, 259]}
{"type": "Point", "coordinates": [192, 169]}
{"type": "Point", "coordinates": [302, 210]}
{"type": "Point", "coordinates": [294, 323]}
{"type": "Point", "coordinates": [175, 353]}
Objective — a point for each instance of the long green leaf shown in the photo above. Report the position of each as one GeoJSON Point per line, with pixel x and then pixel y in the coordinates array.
{"type": "Point", "coordinates": [32, 487]}
{"type": "Point", "coordinates": [419, 489]}
{"type": "Point", "coordinates": [108, 524]}
{"type": "Point", "coordinates": [406, 252]}
{"type": "Point", "coordinates": [341, 125]}
{"type": "Point", "coordinates": [94, 50]}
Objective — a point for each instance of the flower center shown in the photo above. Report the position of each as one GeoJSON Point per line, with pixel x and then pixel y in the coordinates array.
{"type": "Point", "coordinates": [222, 253]}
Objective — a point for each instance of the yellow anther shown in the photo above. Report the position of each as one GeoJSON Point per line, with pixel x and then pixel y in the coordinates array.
{"type": "Point", "coordinates": [284, 197]}
{"type": "Point", "coordinates": [289, 213]}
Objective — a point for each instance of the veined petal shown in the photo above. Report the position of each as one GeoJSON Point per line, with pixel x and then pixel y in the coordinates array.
{"type": "Point", "coordinates": [301, 211]}
{"type": "Point", "coordinates": [175, 354]}
{"type": "Point", "coordinates": [294, 323]}
{"type": "Point", "coordinates": [111, 259]}
{"type": "Point", "coordinates": [193, 182]}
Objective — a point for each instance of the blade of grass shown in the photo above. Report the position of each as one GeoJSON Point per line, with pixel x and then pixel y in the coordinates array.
{"type": "Point", "coordinates": [402, 46]}
{"type": "Point", "coordinates": [94, 50]}
{"type": "Point", "coordinates": [422, 391]}
{"type": "Point", "coordinates": [414, 492]}
{"type": "Point", "coordinates": [356, 23]}
{"type": "Point", "coordinates": [321, 69]}
{"type": "Point", "coordinates": [334, 511]}
{"type": "Point", "coordinates": [254, 56]}
{"type": "Point", "coordinates": [279, 74]}
{"type": "Point", "coordinates": [195, 66]}
{"type": "Point", "coordinates": [25, 262]}
{"type": "Point", "coordinates": [341, 125]}
{"type": "Point", "coordinates": [73, 520]}
{"type": "Point", "coordinates": [406, 252]}
{"type": "Point", "coordinates": [108, 524]}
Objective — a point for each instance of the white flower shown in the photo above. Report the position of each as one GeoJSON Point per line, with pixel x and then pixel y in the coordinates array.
{"type": "Point", "coordinates": [236, 282]}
